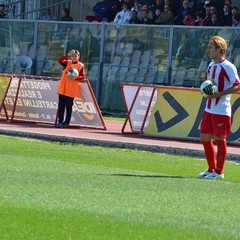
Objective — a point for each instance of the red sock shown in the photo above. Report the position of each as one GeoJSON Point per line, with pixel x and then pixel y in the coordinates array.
{"type": "Point", "coordinates": [221, 155]}
{"type": "Point", "coordinates": [210, 154]}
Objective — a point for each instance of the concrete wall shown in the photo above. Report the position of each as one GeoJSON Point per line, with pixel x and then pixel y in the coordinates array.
{"type": "Point", "coordinates": [236, 3]}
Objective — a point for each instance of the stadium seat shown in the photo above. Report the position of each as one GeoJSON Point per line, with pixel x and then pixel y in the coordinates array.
{"type": "Point", "coordinates": [41, 58]}
{"type": "Point", "coordinates": [114, 68]}
{"type": "Point", "coordinates": [23, 50]}
{"type": "Point", "coordinates": [124, 66]}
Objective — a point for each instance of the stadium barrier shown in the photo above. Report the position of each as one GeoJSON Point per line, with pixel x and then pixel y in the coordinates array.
{"type": "Point", "coordinates": [174, 112]}
{"type": "Point", "coordinates": [34, 99]}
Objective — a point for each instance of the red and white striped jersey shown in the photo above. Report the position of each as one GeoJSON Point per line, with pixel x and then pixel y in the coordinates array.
{"type": "Point", "coordinates": [224, 75]}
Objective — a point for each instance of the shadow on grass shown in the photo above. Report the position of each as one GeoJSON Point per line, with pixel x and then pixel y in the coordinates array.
{"type": "Point", "coordinates": [143, 176]}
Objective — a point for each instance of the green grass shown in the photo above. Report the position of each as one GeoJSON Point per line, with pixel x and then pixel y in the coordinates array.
{"type": "Point", "coordinates": [54, 191]}
{"type": "Point", "coordinates": [115, 119]}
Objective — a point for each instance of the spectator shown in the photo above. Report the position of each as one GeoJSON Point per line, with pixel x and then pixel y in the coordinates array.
{"type": "Point", "coordinates": [47, 16]}
{"type": "Point", "coordinates": [129, 3]}
{"type": "Point", "coordinates": [3, 15]}
{"type": "Point", "coordinates": [158, 4]}
{"type": "Point", "coordinates": [145, 18]}
{"type": "Point", "coordinates": [167, 17]}
{"type": "Point", "coordinates": [212, 10]}
{"type": "Point", "coordinates": [102, 9]}
{"type": "Point", "coordinates": [172, 5]}
{"type": "Point", "coordinates": [217, 3]}
{"type": "Point", "coordinates": [2, 11]}
{"type": "Point", "coordinates": [65, 15]}
{"type": "Point", "coordinates": [145, 7]}
{"type": "Point", "coordinates": [227, 16]}
{"type": "Point", "coordinates": [234, 11]}
{"type": "Point", "coordinates": [236, 20]}
{"type": "Point", "coordinates": [202, 5]}
{"type": "Point", "coordinates": [116, 7]}
{"type": "Point", "coordinates": [207, 15]}
{"type": "Point", "coordinates": [63, 29]}
{"type": "Point", "coordinates": [134, 18]}
{"type": "Point", "coordinates": [137, 6]}
{"type": "Point", "coordinates": [228, 2]}
{"type": "Point", "coordinates": [156, 15]}
{"type": "Point", "coordinates": [183, 13]}
{"type": "Point", "coordinates": [215, 20]}
{"type": "Point", "coordinates": [124, 15]}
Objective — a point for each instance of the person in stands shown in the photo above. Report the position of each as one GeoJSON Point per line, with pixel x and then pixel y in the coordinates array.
{"type": "Point", "coordinates": [124, 15]}
{"type": "Point", "coordinates": [48, 16]}
{"type": "Point", "coordinates": [167, 17]}
{"type": "Point", "coordinates": [2, 11]}
{"type": "Point", "coordinates": [226, 17]}
{"type": "Point", "coordinates": [145, 18]}
{"type": "Point", "coordinates": [102, 9]}
{"type": "Point", "coordinates": [65, 15]}
{"type": "Point", "coordinates": [236, 21]}
{"type": "Point", "coordinates": [185, 12]}
{"type": "Point", "coordinates": [134, 18]}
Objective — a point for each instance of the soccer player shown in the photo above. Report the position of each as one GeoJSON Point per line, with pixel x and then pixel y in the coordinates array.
{"type": "Point", "coordinates": [216, 120]}
{"type": "Point", "coordinates": [69, 88]}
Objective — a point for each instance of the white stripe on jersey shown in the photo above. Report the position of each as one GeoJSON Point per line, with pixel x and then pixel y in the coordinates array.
{"type": "Point", "coordinates": [225, 76]}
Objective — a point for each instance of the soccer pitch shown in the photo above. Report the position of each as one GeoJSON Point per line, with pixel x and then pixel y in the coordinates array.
{"type": "Point", "coordinates": [54, 191]}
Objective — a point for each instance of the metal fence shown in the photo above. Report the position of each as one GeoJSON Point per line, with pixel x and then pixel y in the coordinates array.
{"type": "Point", "coordinates": [35, 9]}
{"type": "Point", "coordinates": [112, 54]}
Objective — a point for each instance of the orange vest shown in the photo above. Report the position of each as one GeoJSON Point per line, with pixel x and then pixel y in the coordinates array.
{"type": "Point", "coordinates": [69, 87]}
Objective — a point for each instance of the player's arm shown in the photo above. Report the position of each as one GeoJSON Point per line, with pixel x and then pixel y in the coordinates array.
{"type": "Point", "coordinates": [234, 88]}
{"type": "Point", "coordinates": [82, 74]}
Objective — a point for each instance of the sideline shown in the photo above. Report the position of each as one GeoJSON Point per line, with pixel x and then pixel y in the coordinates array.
{"type": "Point", "coordinates": [112, 137]}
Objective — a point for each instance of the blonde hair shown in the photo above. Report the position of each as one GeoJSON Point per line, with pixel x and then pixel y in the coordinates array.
{"type": "Point", "coordinates": [220, 43]}
{"type": "Point", "coordinates": [74, 51]}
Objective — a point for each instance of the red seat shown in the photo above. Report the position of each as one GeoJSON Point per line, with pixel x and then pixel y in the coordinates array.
{"type": "Point", "coordinates": [90, 18]}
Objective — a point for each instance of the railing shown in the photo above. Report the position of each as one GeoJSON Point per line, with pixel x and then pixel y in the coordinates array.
{"type": "Point", "coordinates": [34, 9]}
{"type": "Point", "coordinates": [35, 13]}
{"type": "Point", "coordinates": [112, 54]}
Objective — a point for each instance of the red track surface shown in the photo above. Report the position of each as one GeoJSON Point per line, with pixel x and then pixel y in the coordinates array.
{"type": "Point", "coordinates": [112, 137]}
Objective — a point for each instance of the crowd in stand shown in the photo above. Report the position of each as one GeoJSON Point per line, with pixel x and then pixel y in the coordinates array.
{"type": "Point", "coordinates": [163, 12]}
{"type": "Point", "coordinates": [168, 12]}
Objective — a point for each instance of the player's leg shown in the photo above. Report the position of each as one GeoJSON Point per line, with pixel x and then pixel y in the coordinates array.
{"type": "Point", "coordinates": [206, 135]}
{"type": "Point", "coordinates": [221, 154]}
{"type": "Point", "coordinates": [61, 109]}
{"type": "Point", "coordinates": [222, 126]}
{"type": "Point", "coordinates": [69, 104]}
{"type": "Point", "coordinates": [221, 130]}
